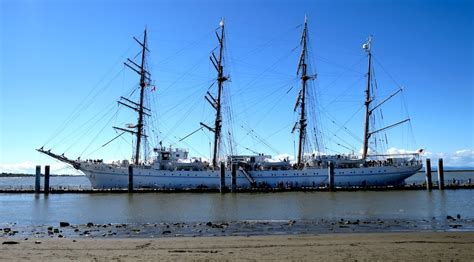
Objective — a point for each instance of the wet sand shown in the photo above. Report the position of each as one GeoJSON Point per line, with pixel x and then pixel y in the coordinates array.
{"type": "Point", "coordinates": [408, 246]}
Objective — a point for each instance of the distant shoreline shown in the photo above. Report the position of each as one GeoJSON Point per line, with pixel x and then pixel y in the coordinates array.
{"type": "Point", "coordinates": [29, 175]}
{"type": "Point", "coordinates": [448, 170]}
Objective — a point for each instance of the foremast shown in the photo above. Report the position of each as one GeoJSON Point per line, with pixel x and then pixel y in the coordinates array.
{"type": "Point", "coordinates": [136, 106]}
{"type": "Point", "coordinates": [301, 99]}
{"type": "Point", "coordinates": [216, 103]}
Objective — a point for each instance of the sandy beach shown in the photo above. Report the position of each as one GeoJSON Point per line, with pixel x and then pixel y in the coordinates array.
{"type": "Point", "coordinates": [412, 246]}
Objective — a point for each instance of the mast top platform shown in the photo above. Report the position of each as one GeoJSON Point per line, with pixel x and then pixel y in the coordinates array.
{"type": "Point", "coordinates": [368, 45]}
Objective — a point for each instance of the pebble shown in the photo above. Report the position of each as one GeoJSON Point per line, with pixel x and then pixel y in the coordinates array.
{"type": "Point", "coordinates": [10, 242]}
{"type": "Point", "coordinates": [231, 228]}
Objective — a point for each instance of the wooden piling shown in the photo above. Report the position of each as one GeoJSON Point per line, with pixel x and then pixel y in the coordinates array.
{"type": "Point", "coordinates": [222, 187]}
{"type": "Point", "coordinates": [46, 179]}
{"type": "Point", "coordinates": [234, 178]}
{"type": "Point", "coordinates": [429, 183]}
{"type": "Point", "coordinates": [331, 176]}
{"type": "Point", "coordinates": [130, 179]}
{"type": "Point", "coordinates": [440, 174]}
{"type": "Point", "coordinates": [38, 180]}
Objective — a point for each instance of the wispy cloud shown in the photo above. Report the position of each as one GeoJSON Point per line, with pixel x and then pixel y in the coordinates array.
{"type": "Point", "coordinates": [459, 158]}
{"type": "Point", "coordinates": [394, 150]}
{"type": "Point", "coordinates": [463, 157]}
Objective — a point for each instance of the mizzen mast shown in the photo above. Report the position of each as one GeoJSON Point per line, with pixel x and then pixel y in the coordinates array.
{"type": "Point", "coordinates": [138, 107]}
{"type": "Point", "coordinates": [301, 99]}
{"type": "Point", "coordinates": [368, 98]}
{"type": "Point", "coordinates": [217, 62]}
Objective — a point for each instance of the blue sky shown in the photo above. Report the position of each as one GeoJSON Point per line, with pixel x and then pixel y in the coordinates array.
{"type": "Point", "coordinates": [55, 54]}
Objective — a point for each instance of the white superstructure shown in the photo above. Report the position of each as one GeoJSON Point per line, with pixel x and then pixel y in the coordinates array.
{"type": "Point", "coordinates": [173, 170]}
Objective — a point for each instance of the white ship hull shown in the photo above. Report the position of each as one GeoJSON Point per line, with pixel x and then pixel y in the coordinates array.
{"type": "Point", "coordinates": [103, 176]}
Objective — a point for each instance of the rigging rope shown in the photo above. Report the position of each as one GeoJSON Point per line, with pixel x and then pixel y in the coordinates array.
{"type": "Point", "coordinates": [83, 105]}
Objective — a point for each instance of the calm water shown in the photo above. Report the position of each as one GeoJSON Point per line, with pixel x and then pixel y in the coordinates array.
{"type": "Point", "coordinates": [28, 209]}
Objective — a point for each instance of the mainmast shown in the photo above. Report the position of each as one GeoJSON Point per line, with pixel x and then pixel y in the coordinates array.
{"type": "Point", "coordinates": [138, 106]}
{"type": "Point", "coordinates": [216, 103]}
{"type": "Point", "coordinates": [368, 98]}
{"type": "Point", "coordinates": [301, 100]}
{"type": "Point", "coordinates": [142, 91]}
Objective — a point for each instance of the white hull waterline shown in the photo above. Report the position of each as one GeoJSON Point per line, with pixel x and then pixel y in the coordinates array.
{"type": "Point", "coordinates": [103, 176]}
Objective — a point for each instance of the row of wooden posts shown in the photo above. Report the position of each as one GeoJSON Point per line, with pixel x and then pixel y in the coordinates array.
{"type": "Point", "coordinates": [429, 182]}
{"type": "Point", "coordinates": [233, 188]}
{"type": "Point", "coordinates": [46, 179]}
{"type": "Point", "coordinates": [331, 182]}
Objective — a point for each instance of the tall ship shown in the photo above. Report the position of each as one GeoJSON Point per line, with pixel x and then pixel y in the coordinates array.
{"type": "Point", "coordinates": [173, 168]}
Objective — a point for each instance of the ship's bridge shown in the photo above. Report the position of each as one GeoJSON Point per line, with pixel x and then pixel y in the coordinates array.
{"type": "Point", "coordinates": [177, 159]}
{"type": "Point", "coordinates": [171, 154]}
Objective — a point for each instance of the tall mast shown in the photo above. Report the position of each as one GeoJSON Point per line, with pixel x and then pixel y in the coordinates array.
{"type": "Point", "coordinates": [216, 102]}
{"type": "Point", "coordinates": [138, 106]}
{"type": "Point", "coordinates": [301, 100]}
{"type": "Point", "coordinates": [368, 99]}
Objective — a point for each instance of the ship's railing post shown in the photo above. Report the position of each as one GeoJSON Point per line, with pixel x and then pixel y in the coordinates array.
{"type": "Point", "coordinates": [331, 176]}
{"type": "Point", "coordinates": [234, 178]}
{"type": "Point", "coordinates": [222, 184]}
{"type": "Point", "coordinates": [46, 179]}
{"type": "Point", "coordinates": [130, 179]}
{"type": "Point", "coordinates": [440, 174]}
{"type": "Point", "coordinates": [38, 180]}
{"type": "Point", "coordinates": [429, 183]}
